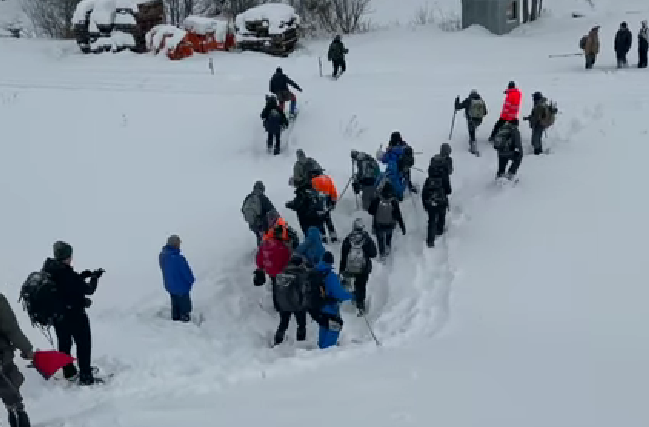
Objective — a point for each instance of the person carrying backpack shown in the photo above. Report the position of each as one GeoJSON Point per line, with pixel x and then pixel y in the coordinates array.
{"type": "Point", "coordinates": [442, 161]}
{"type": "Point", "coordinates": [367, 173]}
{"type": "Point", "coordinates": [257, 209]}
{"type": "Point", "coordinates": [303, 169]}
{"type": "Point", "coordinates": [434, 197]}
{"type": "Point", "coordinates": [72, 324]}
{"type": "Point", "coordinates": [178, 279]}
{"type": "Point", "coordinates": [396, 167]}
{"type": "Point", "coordinates": [312, 248]}
{"type": "Point", "coordinates": [280, 230]}
{"type": "Point", "coordinates": [279, 84]}
{"type": "Point", "coordinates": [336, 55]}
{"type": "Point", "coordinates": [590, 45]}
{"type": "Point", "coordinates": [541, 117]}
{"type": "Point", "coordinates": [643, 45]}
{"type": "Point", "coordinates": [12, 338]}
{"type": "Point", "coordinates": [288, 291]}
{"type": "Point", "coordinates": [386, 214]}
{"type": "Point", "coordinates": [310, 207]}
{"type": "Point", "coordinates": [356, 256]}
{"type": "Point", "coordinates": [511, 108]}
{"type": "Point", "coordinates": [328, 315]}
{"type": "Point", "coordinates": [324, 185]}
{"type": "Point", "coordinates": [622, 43]}
{"type": "Point", "coordinates": [475, 109]}
{"type": "Point", "coordinates": [510, 149]}
{"type": "Point", "coordinates": [274, 121]}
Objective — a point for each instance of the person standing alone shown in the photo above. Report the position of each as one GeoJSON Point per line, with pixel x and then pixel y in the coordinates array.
{"type": "Point", "coordinates": [178, 279]}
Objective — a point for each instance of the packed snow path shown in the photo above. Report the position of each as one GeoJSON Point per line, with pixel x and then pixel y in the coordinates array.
{"type": "Point", "coordinates": [533, 294]}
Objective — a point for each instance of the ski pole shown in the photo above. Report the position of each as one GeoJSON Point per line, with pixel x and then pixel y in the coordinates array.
{"type": "Point", "coordinates": [418, 169]}
{"type": "Point", "coordinates": [367, 322]}
{"type": "Point", "coordinates": [320, 65]}
{"type": "Point", "coordinates": [450, 134]}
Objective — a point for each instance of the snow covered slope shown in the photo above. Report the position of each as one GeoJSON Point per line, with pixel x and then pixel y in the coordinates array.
{"type": "Point", "coordinates": [531, 311]}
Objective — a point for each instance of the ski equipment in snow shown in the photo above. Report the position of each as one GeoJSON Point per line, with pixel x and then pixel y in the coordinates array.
{"type": "Point", "coordinates": [356, 261]}
{"type": "Point", "coordinates": [477, 109]}
{"type": "Point", "coordinates": [41, 299]}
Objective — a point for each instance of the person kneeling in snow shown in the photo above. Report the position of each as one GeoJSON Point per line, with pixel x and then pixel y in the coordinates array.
{"type": "Point", "coordinates": [178, 279]}
{"type": "Point", "coordinates": [330, 321]}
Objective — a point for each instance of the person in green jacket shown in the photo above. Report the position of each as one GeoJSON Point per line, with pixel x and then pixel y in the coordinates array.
{"type": "Point", "coordinates": [12, 338]}
{"type": "Point", "coordinates": [336, 55]}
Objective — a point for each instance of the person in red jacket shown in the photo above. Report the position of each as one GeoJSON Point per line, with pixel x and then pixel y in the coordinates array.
{"type": "Point", "coordinates": [511, 108]}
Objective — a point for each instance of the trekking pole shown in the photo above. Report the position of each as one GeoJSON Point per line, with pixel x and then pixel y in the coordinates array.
{"type": "Point", "coordinates": [565, 55]}
{"type": "Point", "coordinates": [320, 65]}
{"type": "Point", "coordinates": [346, 186]}
{"type": "Point", "coordinates": [369, 327]}
{"type": "Point", "coordinates": [418, 169]}
{"type": "Point", "coordinates": [450, 134]}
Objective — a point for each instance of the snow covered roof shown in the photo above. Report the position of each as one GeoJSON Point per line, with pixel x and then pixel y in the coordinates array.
{"type": "Point", "coordinates": [201, 25]}
{"type": "Point", "coordinates": [276, 14]}
{"type": "Point", "coordinates": [157, 34]}
{"type": "Point", "coordinates": [86, 6]}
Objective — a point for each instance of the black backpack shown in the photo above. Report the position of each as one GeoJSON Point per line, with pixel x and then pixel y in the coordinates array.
{"type": "Point", "coordinates": [41, 299]}
{"type": "Point", "coordinates": [407, 160]}
{"type": "Point", "coordinates": [437, 195]}
{"type": "Point", "coordinates": [317, 202]}
{"type": "Point", "coordinates": [291, 289]}
{"type": "Point", "coordinates": [368, 170]}
{"type": "Point", "coordinates": [438, 166]}
{"type": "Point", "coordinates": [504, 138]}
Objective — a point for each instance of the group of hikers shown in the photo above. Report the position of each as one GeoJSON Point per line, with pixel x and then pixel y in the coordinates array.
{"type": "Point", "coordinates": [622, 45]}
{"type": "Point", "coordinates": [301, 270]}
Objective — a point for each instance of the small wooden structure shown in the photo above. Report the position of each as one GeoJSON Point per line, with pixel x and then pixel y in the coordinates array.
{"type": "Point", "coordinates": [497, 16]}
{"type": "Point", "coordinates": [271, 28]}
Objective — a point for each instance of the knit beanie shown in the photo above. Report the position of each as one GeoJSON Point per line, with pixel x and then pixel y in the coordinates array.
{"type": "Point", "coordinates": [174, 241]}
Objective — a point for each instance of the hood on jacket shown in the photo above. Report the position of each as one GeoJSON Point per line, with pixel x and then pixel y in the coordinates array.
{"type": "Point", "coordinates": [313, 236]}
{"type": "Point", "coordinates": [170, 249]}
{"type": "Point", "coordinates": [51, 265]}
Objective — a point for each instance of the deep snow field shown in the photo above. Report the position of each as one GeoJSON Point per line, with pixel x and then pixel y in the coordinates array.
{"type": "Point", "coordinates": [531, 311]}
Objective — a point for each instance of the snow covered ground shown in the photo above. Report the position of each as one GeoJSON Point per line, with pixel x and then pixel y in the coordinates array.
{"type": "Point", "coordinates": [530, 312]}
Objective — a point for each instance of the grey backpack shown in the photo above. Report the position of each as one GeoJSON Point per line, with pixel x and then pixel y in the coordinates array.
{"type": "Point", "coordinates": [477, 109]}
{"type": "Point", "coordinates": [384, 212]}
{"type": "Point", "coordinates": [503, 139]}
{"type": "Point", "coordinates": [356, 261]}
{"type": "Point", "coordinates": [251, 209]}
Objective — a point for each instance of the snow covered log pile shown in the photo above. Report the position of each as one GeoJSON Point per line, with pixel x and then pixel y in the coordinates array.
{"type": "Point", "coordinates": [115, 25]}
{"type": "Point", "coordinates": [271, 28]}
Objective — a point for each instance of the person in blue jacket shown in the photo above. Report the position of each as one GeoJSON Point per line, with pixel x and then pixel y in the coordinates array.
{"type": "Point", "coordinates": [332, 323]}
{"type": "Point", "coordinates": [392, 158]}
{"type": "Point", "coordinates": [312, 248]}
{"type": "Point", "coordinates": [178, 279]}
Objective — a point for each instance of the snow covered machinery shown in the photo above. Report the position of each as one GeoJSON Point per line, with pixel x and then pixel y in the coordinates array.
{"type": "Point", "coordinates": [115, 25]}
{"type": "Point", "coordinates": [270, 28]}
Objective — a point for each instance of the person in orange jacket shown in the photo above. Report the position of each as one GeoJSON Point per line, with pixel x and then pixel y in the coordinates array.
{"type": "Point", "coordinates": [287, 235]}
{"type": "Point", "coordinates": [325, 185]}
{"type": "Point", "coordinates": [511, 108]}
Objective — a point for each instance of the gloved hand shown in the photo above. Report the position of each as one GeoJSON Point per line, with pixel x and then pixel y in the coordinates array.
{"type": "Point", "coordinates": [356, 187]}
{"type": "Point", "coordinates": [457, 100]}
{"type": "Point", "coordinates": [403, 231]}
{"type": "Point", "coordinates": [98, 273]}
{"type": "Point", "coordinates": [259, 278]}
{"type": "Point", "coordinates": [85, 274]}
{"type": "Point", "coordinates": [27, 356]}
{"type": "Point", "coordinates": [87, 302]}
{"type": "Point", "coordinates": [299, 89]}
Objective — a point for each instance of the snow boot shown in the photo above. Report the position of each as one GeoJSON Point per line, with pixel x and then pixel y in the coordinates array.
{"type": "Point", "coordinates": [301, 334]}
{"type": "Point", "coordinates": [70, 372]}
{"type": "Point", "coordinates": [18, 418]}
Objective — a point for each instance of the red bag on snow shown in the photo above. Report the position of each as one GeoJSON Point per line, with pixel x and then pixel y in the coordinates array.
{"type": "Point", "coordinates": [48, 362]}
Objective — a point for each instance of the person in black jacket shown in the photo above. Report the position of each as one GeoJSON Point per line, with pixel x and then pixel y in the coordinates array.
{"type": "Point", "coordinates": [643, 45]}
{"type": "Point", "coordinates": [434, 197]}
{"type": "Point", "coordinates": [623, 42]}
{"type": "Point", "coordinates": [474, 110]}
{"type": "Point", "coordinates": [310, 207]}
{"type": "Point", "coordinates": [279, 84]}
{"type": "Point", "coordinates": [336, 55]}
{"type": "Point", "coordinates": [274, 121]}
{"type": "Point", "coordinates": [386, 215]}
{"type": "Point", "coordinates": [509, 146]}
{"type": "Point", "coordinates": [356, 256]}
{"type": "Point", "coordinates": [73, 323]}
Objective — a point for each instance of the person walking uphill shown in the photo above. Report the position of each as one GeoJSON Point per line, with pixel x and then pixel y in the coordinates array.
{"type": "Point", "coordinates": [510, 110]}
{"type": "Point", "coordinates": [258, 211]}
{"type": "Point", "coordinates": [336, 55]}
{"type": "Point", "coordinates": [509, 146]}
{"type": "Point", "coordinates": [590, 44]}
{"type": "Point", "coordinates": [73, 325]}
{"type": "Point", "coordinates": [330, 321]}
{"type": "Point", "coordinates": [623, 42]}
{"type": "Point", "coordinates": [475, 109]}
{"type": "Point", "coordinates": [12, 338]}
{"type": "Point", "coordinates": [356, 256]}
{"type": "Point", "coordinates": [279, 84]}
{"type": "Point", "coordinates": [643, 45]}
{"type": "Point", "coordinates": [274, 121]}
{"type": "Point", "coordinates": [178, 279]}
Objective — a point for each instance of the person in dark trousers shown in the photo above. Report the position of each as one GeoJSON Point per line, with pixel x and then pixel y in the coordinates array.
{"type": "Point", "coordinates": [303, 169]}
{"type": "Point", "coordinates": [367, 174]}
{"type": "Point", "coordinates": [274, 121]}
{"type": "Point", "coordinates": [310, 207]}
{"type": "Point", "coordinates": [73, 325]}
{"type": "Point", "coordinates": [356, 256]}
{"type": "Point", "coordinates": [12, 338]}
{"type": "Point", "coordinates": [279, 84]}
{"type": "Point", "coordinates": [536, 121]}
{"type": "Point", "coordinates": [258, 211]}
{"type": "Point", "coordinates": [623, 42]}
{"type": "Point", "coordinates": [434, 196]}
{"type": "Point", "coordinates": [298, 268]}
{"type": "Point", "coordinates": [386, 215]}
{"type": "Point", "coordinates": [178, 279]}
{"type": "Point", "coordinates": [510, 149]}
{"type": "Point", "coordinates": [590, 47]}
{"type": "Point", "coordinates": [643, 45]}
{"type": "Point", "coordinates": [331, 324]}
{"type": "Point", "coordinates": [475, 109]}
{"type": "Point", "coordinates": [336, 55]}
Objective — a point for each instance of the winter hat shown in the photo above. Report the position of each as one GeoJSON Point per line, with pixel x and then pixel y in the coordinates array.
{"type": "Point", "coordinates": [511, 85]}
{"type": "Point", "coordinates": [259, 186]}
{"type": "Point", "coordinates": [174, 241]}
{"type": "Point", "coordinates": [62, 251]}
{"type": "Point", "coordinates": [623, 25]}
{"type": "Point", "coordinates": [395, 138]}
{"type": "Point", "coordinates": [358, 225]}
{"type": "Point", "coordinates": [279, 70]}
{"type": "Point", "coordinates": [300, 154]}
{"type": "Point", "coordinates": [354, 154]}
{"type": "Point", "coordinates": [328, 258]}
{"type": "Point", "coordinates": [337, 38]}
{"type": "Point", "coordinates": [537, 96]}
{"type": "Point", "coordinates": [445, 149]}
{"type": "Point", "coordinates": [474, 92]}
